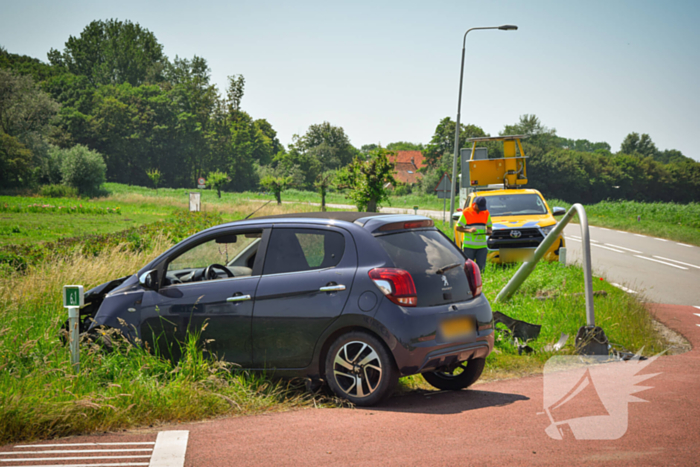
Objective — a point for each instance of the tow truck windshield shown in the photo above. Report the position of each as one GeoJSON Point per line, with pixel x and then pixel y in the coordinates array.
{"type": "Point", "coordinates": [515, 205]}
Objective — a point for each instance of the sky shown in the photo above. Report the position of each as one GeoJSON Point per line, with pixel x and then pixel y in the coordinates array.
{"type": "Point", "coordinates": [388, 71]}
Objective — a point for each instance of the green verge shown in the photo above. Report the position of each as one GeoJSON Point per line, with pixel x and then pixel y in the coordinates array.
{"type": "Point", "coordinates": [40, 397]}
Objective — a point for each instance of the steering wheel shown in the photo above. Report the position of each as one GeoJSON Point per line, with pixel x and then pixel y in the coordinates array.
{"type": "Point", "coordinates": [210, 274]}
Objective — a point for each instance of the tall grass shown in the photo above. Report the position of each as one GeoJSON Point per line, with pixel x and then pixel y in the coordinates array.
{"type": "Point", "coordinates": [41, 397]}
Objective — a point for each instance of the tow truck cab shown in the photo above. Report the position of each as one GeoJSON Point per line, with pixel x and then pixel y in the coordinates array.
{"type": "Point", "coordinates": [521, 217]}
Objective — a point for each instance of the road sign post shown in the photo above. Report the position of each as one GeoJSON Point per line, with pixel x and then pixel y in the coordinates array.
{"type": "Point", "coordinates": [73, 299]}
{"type": "Point", "coordinates": [443, 191]}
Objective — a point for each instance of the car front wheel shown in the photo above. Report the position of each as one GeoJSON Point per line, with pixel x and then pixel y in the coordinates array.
{"type": "Point", "coordinates": [462, 376]}
{"type": "Point", "coordinates": [359, 368]}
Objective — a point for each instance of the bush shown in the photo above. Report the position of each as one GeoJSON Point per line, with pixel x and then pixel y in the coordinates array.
{"type": "Point", "coordinates": [83, 169]}
{"type": "Point", "coordinates": [58, 191]}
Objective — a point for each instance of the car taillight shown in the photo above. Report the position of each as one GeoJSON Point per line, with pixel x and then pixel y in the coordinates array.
{"type": "Point", "coordinates": [471, 269]}
{"type": "Point", "coordinates": [406, 225]}
{"type": "Point", "coordinates": [396, 284]}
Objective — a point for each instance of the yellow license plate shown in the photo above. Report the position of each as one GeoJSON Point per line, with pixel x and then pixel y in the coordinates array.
{"type": "Point", "coordinates": [457, 327]}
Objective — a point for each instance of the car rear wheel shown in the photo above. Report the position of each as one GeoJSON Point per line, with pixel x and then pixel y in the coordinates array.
{"type": "Point", "coordinates": [359, 368]}
{"type": "Point", "coordinates": [462, 376]}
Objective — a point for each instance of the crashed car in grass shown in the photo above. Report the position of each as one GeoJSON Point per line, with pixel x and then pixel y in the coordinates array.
{"type": "Point", "coordinates": [353, 299]}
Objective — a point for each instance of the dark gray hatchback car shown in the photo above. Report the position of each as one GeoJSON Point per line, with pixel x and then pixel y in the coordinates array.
{"type": "Point", "coordinates": [354, 299]}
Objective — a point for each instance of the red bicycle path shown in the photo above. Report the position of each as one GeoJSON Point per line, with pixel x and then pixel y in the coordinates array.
{"type": "Point", "coordinates": [496, 423]}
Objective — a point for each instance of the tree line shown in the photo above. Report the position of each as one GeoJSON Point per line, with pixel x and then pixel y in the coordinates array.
{"type": "Point", "coordinates": [111, 106]}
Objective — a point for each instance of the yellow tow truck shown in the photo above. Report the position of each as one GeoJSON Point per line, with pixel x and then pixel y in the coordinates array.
{"type": "Point", "coordinates": [521, 217]}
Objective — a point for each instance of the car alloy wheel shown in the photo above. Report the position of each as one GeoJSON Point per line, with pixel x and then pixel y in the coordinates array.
{"type": "Point", "coordinates": [359, 368]}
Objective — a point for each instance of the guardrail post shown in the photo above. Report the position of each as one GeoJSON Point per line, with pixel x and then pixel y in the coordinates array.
{"type": "Point", "coordinates": [524, 271]}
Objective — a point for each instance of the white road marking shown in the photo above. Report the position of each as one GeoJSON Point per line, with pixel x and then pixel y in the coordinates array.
{"type": "Point", "coordinates": [623, 248]}
{"type": "Point", "coordinates": [622, 287]}
{"type": "Point", "coordinates": [603, 228]}
{"type": "Point", "coordinates": [696, 314]}
{"type": "Point", "coordinates": [608, 248]}
{"type": "Point", "coordinates": [574, 239]}
{"type": "Point", "coordinates": [170, 449]}
{"type": "Point", "coordinates": [81, 444]}
{"type": "Point", "coordinates": [660, 239]}
{"type": "Point", "coordinates": [695, 306]}
{"type": "Point", "coordinates": [683, 244]}
{"type": "Point", "coordinates": [662, 262]}
{"type": "Point", "coordinates": [676, 261]}
{"type": "Point", "coordinates": [639, 235]}
{"type": "Point", "coordinates": [579, 238]}
{"type": "Point", "coordinates": [621, 231]}
{"type": "Point", "coordinates": [74, 451]}
{"type": "Point", "coordinates": [71, 458]}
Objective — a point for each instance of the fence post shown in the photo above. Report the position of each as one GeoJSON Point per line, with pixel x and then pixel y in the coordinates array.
{"type": "Point", "coordinates": [73, 299]}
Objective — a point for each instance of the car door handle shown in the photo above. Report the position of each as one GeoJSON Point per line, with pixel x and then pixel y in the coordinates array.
{"type": "Point", "coordinates": [332, 288]}
{"type": "Point", "coordinates": [238, 298]}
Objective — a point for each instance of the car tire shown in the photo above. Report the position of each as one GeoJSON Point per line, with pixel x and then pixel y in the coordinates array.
{"type": "Point", "coordinates": [359, 357]}
{"type": "Point", "coordinates": [448, 381]}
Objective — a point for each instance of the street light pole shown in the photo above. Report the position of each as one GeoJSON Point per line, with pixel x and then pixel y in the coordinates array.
{"type": "Point", "coordinates": [505, 27]}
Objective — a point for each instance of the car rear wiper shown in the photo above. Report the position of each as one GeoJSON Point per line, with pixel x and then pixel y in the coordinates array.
{"type": "Point", "coordinates": [444, 269]}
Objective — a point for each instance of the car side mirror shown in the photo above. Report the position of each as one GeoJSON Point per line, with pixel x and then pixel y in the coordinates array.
{"type": "Point", "coordinates": [557, 211]}
{"type": "Point", "coordinates": [149, 279]}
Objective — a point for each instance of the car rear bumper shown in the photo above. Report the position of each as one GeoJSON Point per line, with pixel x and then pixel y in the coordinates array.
{"type": "Point", "coordinates": [415, 337]}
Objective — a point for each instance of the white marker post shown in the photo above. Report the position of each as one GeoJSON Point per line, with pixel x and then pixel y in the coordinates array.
{"type": "Point", "coordinates": [73, 299]}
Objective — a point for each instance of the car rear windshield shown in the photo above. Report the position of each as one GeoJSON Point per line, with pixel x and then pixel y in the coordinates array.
{"type": "Point", "coordinates": [436, 265]}
{"type": "Point", "coordinates": [515, 205]}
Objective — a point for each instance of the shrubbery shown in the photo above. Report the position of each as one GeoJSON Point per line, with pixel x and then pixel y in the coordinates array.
{"type": "Point", "coordinates": [58, 191]}
{"type": "Point", "coordinates": [83, 169]}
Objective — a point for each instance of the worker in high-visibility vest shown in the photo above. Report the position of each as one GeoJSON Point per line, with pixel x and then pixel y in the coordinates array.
{"type": "Point", "coordinates": [476, 224]}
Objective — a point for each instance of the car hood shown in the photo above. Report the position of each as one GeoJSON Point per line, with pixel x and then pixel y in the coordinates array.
{"type": "Point", "coordinates": [522, 222]}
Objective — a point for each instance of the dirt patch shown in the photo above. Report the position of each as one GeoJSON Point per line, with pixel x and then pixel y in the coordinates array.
{"type": "Point", "coordinates": [677, 344]}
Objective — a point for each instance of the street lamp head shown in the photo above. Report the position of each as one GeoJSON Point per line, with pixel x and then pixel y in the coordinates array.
{"type": "Point", "coordinates": [508, 27]}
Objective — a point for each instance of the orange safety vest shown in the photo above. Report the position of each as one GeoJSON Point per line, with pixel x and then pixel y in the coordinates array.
{"type": "Point", "coordinates": [480, 220]}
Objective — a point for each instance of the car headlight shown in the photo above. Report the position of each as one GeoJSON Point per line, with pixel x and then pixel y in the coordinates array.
{"type": "Point", "coordinates": [546, 230]}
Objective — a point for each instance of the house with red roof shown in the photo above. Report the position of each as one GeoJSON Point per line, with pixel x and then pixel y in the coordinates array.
{"type": "Point", "coordinates": [407, 164]}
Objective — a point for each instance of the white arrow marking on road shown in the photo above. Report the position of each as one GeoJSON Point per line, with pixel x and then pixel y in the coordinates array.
{"type": "Point", "coordinates": [623, 248]}
{"type": "Point", "coordinates": [608, 248]}
{"type": "Point", "coordinates": [676, 261]}
{"type": "Point", "coordinates": [622, 287]}
{"type": "Point", "coordinates": [662, 262]}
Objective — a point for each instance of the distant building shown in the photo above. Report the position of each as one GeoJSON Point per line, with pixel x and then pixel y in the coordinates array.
{"type": "Point", "coordinates": [407, 164]}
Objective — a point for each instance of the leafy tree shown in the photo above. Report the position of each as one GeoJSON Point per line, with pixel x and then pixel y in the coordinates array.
{"type": "Point", "coordinates": [112, 52]}
{"type": "Point", "coordinates": [155, 175]}
{"type": "Point", "coordinates": [83, 169]}
{"type": "Point", "coordinates": [368, 180]}
{"type": "Point", "coordinates": [276, 185]}
{"type": "Point", "coordinates": [641, 145]}
{"type": "Point", "coordinates": [443, 140]}
{"type": "Point", "coordinates": [15, 162]}
{"type": "Point", "coordinates": [217, 180]}
{"type": "Point", "coordinates": [406, 146]}
{"type": "Point", "coordinates": [323, 147]}
{"type": "Point", "coordinates": [367, 148]}
{"type": "Point", "coordinates": [26, 112]}
{"type": "Point", "coordinates": [324, 181]}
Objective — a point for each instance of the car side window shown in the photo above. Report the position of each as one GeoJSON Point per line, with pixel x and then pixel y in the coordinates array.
{"type": "Point", "coordinates": [293, 250]}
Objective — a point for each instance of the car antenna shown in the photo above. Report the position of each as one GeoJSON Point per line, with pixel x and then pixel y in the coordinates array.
{"type": "Point", "coordinates": [246, 217]}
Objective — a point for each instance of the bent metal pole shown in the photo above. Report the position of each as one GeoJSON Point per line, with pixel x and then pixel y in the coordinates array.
{"type": "Point", "coordinates": [524, 271]}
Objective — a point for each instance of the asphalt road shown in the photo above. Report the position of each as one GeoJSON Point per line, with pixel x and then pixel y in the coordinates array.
{"type": "Point", "coordinates": [662, 271]}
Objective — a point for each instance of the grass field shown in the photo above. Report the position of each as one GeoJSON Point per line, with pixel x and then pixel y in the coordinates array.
{"type": "Point", "coordinates": [40, 397]}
